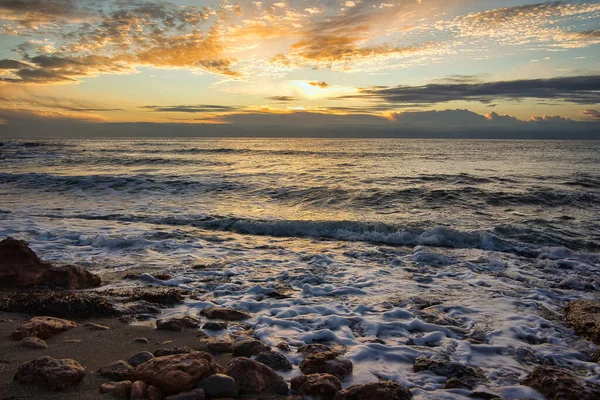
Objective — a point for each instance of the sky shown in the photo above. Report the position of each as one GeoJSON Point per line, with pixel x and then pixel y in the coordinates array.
{"type": "Point", "coordinates": [457, 68]}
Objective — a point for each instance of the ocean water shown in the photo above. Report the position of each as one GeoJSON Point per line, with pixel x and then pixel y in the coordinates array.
{"type": "Point", "coordinates": [394, 248]}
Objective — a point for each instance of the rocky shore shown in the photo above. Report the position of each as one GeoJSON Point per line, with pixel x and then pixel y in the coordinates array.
{"type": "Point", "coordinates": [61, 340]}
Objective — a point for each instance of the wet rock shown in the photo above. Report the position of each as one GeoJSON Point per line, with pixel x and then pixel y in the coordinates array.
{"type": "Point", "coordinates": [139, 390]}
{"type": "Point", "coordinates": [178, 324]}
{"type": "Point", "coordinates": [323, 386]}
{"type": "Point", "coordinates": [96, 327]}
{"type": "Point", "coordinates": [480, 394]}
{"type": "Point", "coordinates": [313, 348]}
{"type": "Point", "coordinates": [176, 373]}
{"type": "Point", "coordinates": [375, 391]}
{"type": "Point", "coordinates": [283, 346]}
{"type": "Point", "coordinates": [141, 340]}
{"type": "Point", "coordinates": [561, 384]}
{"type": "Point", "coordinates": [215, 326]}
{"type": "Point", "coordinates": [140, 358]}
{"type": "Point", "coordinates": [155, 393]}
{"type": "Point", "coordinates": [275, 360]}
{"type": "Point", "coordinates": [163, 277]}
{"type": "Point", "coordinates": [172, 351]}
{"type": "Point", "coordinates": [196, 394]}
{"type": "Point", "coordinates": [159, 296]}
{"type": "Point", "coordinates": [218, 385]}
{"type": "Point", "coordinates": [584, 317]}
{"type": "Point", "coordinates": [117, 371]}
{"type": "Point", "coordinates": [470, 375]}
{"type": "Point", "coordinates": [42, 327]}
{"type": "Point", "coordinates": [118, 389]}
{"type": "Point", "coordinates": [219, 346]}
{"type": "Point", "coordinates": [326, 363]}
{"type": "Point", "coordinates": [253, 377]}
{"type": "Point", "coordinates": [227, 314]}
{"type": "Point", "coordinates": [249, 347]}
{"type": "Point", "coordinates": [55, 374]}
{"type": "Point", "coordinates": [20, 267]}
{"type": "Point", "coordinates": [34, 343]}
{"type": "Point", "coordinates": [454, 383]}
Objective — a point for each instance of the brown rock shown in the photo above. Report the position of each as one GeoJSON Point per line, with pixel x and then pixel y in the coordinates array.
{"type": "Point", "coordinates": [249, 348]}
{"type": "Point", "coordinates": [52, 373]}
{"type": "Point", "coordinates": [139, 390]}
{"type": "Point", "coordinates": [253, 377]}
{"type": "Point", "coordinates": [172, 351]}
{"type": "Point", "coordinates": [375, 391]}
{"type": "Point", "coordinates": [275, 360]}
{"type": "Point", "coordinates": [561, 384]}
{"type": "Point", "coordinates": [196, 394]}
{"type": "Point", "coordinates": [326, 363]}
{"type": "Point", "coordinates": [34, 343]}
{"type": "Point", "coordinates": [467, 374]}
{"type": "Point", "coordinates": [215, 326]}
{"type": "Point", "coordinates": [140, 358]}
{"type": "Point", "coordinates": [584, 317]}
{"type": "Point", "coordinates": [219, 346]}
{"type": "Point", "coordinates": [118, 371]}
{"type": "Point", "coordinates": [155, 393]}
{"type": "Point", "coordinates": [178, 324]}
{"type": "Point", "coordinates": [313, 348]}
{"type": "Point", "coordinates": [454, 383]}
{"type": "Point", "coordinates": [118, 389]}
{"type": "Point", "coordinates": [322, 386]}
{"type": "Point", "coordinates": [176, 373]}
{"type": "Point", "coordinates": [283, 346]}
{"type": "Point", "coordinates": [42, 327]}
{"type": "Point", "coordinates": [20, 267]}
{"type": "Point", "coordinates": [227, 314]}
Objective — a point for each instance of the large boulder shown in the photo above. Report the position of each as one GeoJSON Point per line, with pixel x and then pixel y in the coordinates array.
{"type": "Point", "coordinates": [254, 377]}
{"type": "Point", "coordinates": [218, 385]}
{"type": "Point", "coordinates": [20, 267]}
{"type": "Point", "coordinates": [117, 371]}
{"type": "Point", "coordinates": [249, 348]}
{"type": "Point", "coordinates": [178, 324]}
{"type": "Point", "coordinates": [375, 391]}
{"type": "Point", "coordinates": [51, 373]}
{"type": "Point", "coordinates": [176, 373]}
{"type": "Point", "coordinates": [275, 360]}
{"type": "Point", "coordinates": [561, 384]}
{"type": "Point", "coordinates": [326, 362]}
{"type": "Point", "coordinates": [584, 317]}
{"type": "Point", "coordinates": [323, 386]}
{"type": "Point", "coordinates": [467, 374]}
{"type": "Point", "coordinates": [42, 327]}
{"type": "Point", "coordinates": [227, 314]}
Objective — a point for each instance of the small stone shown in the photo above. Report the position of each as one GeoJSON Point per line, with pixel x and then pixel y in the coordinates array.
{"type": "Point", "coordinates": [215, 326]}
{"type": "Point", "coordinates": [118, 371]}
{"type": "Point", "coordinates": [140, 358]}
{"type": "Point", "coordinates": [283, 346]}
{"type": "Point", "coordinates": [254, 377]}
{"type": "Point", "coordinates": [561, 384]}
{"type": "Point", "coordinates": [155, 393]}
{"type": "Point", "coordinates": [172, 351]}
{"type": "Point", "coordinates": [326, 363]}
{"type": "Point", "coordinates": [196, 394]}
{"type": "Point", "coordinates": [455, 383]}
{"type": "Point", "coordinates": [322, 386]}
{"type": "Point", "coordinates": [43, 327]}
{"type": "Point", "coordinates": [178, 324]}
{"type": "Point", "coordinates": [470, 375]}
{"type": "Point", "coordinates": [118, 389]}
{"type": "Point", "coordinates": [275, 360]}
{"type": "Point", "coordinates": [226, 314]}
{"type": "Point", "coordinates": [218, 385]}
{"type": "Point", "coordinates": [163, 277]}
{"type": "Point", "coordinates": [139, 390]}
{"type": "Point", "coordinates": [34, 343]}
{"type": "Point", "coordinates": [313, 348]}
{"type": "Point", "coordinates": [249, 347]}
{"type": "Point", "coordinates": [375, 391]}
{"type": "Point", "coordinates": [96, 327]}
{"type": "Point", "coordinates": [141, 340]}
{"type": "Point", "coordinates": [55, 374]}
{"type": "Point", "coordinates": [219, 346]}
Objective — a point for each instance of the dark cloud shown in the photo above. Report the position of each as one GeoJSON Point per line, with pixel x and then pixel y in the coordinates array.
{"type": "Point", "coordinates": [282, 99]}
{"type": "Point", "coordinates": [200, 108]}
{"type": "Point", "coordinates": [12, 64]}
{"type": "Point", "coordinates": [322, 85]}
{"type": "Point", "coordinates": [573, 89]}
{"type": "Point", "coordinates": [591, 113]}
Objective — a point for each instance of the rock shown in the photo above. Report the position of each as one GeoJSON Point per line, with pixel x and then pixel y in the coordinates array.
{"type": "Point", "coordinates": [140, 358]}
{"type": "Point", "coordinates": [313, 348]}
{"type": "Point", "coordinates": [34, 343]}
{"type": "Point", "coordinates": [178, 324]}
{"type": "Point", "coordinates": [275, 360]}
{"type": "Point", "coordinates": [227, 314]}
{"type": "Point", "coordinates": [55, 374]}
{"type": "Point", "coordinates": [155, 393]}
{"type": "Point", "coordinates": [467, 374]}
{"type": "Point", "coordinates": [163, 277]}
{"type": "Point", "coordinates": [249, 347]}
{"type": "Point", "coordinates": [139, 390]}
{"type": "Point", "coordinates": [141, 340]}
{"type": "Point", "coordinates": [218, 385]}
{"type": "Point", "coordinates": [253, 377]}
{"type": "Point", "coordinates": [172, 351]}
{"type": "Point", "coordinates": [118, 371]}
{"type": "Point", "coordinates": [118, 389]}
{"type": "Point", "coordinates": [584, 317]}
{"type": "Point", "coordinates": [454, 383]}
{"type": "Point", "coordinates": [95, 327]}
{"type": "Point", "coordinates": [176, 373]}
{"type": "Point", "coordinates": [326, 363]}
{"type": "Point", "coordinates": [283, 346]}
{"type": "Point", "coordinates": [215, 326]}
{"type": "Point", "coordinates": [322, 386]}
{"type": "Point", "coordinates": [561, 384]}
{"type": "Point", "coordinates": [375, 391]}
{"type": "Point", "coordinates": [219, 346]}
{"type": "Point", "coordinates": [20, 267]}
{"type": "Point", "coordinates": [42, 327]}
{"type": "Point", "coordinates": [196, 394]}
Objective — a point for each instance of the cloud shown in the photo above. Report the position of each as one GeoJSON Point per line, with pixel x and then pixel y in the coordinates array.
{"type": "Point", "coordinates": [322, 85]}
{"type": "Point", "coordinates": [575, 89]}
{"type": "Point", "coordinates": [283, 99]}
{"type": "Point", "coordinates": [202, 108]}
{"type": "Point", "coordinates": [595, 114]}
{"type": "Point", "coordinates": [12, 64]}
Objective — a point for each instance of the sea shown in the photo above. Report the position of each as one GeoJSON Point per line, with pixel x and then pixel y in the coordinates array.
{"type": "Point", "coordinates": [465, 250]}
